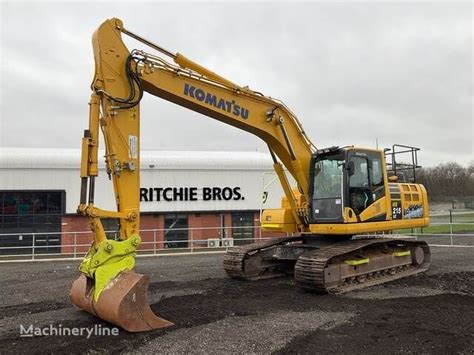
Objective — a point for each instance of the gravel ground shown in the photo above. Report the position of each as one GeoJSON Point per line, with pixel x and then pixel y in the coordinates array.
{"type": "Point", "coordinates": [428, 313]}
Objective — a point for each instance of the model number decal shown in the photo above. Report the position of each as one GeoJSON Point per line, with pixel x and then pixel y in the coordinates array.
{"type": "Point", "coordinates": [396, 210]}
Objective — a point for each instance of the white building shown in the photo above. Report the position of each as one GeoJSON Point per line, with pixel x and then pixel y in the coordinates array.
{"type": "Point", "coordinates": [39, 191]}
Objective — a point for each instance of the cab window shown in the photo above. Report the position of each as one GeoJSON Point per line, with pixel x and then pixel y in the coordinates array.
{"type": "Point", "coordinates": [360, 176]}
{"type": "Point", "coordinates": [377, 177]}
{"type": "Point", "coordinates": [327, 179]}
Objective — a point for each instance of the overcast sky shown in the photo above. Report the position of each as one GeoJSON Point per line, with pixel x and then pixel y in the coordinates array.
{"type": "Point", "coordinates": [351, 72]}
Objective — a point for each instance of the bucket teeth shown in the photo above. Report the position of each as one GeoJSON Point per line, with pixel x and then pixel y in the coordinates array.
{"type": "Point", "coordinates": [123, 302]}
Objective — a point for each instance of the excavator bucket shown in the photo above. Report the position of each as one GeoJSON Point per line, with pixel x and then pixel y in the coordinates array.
{"type": "Point", "coordinates": [124, 302]}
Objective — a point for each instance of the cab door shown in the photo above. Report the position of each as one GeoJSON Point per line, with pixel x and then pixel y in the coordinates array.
{"type": "Point", "coordinates": [327, 190]}
{"type": "Point", "coordinates": [365, 180]}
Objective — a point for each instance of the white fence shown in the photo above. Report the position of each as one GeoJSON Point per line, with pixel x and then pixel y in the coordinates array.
{"type": "Point", "coordinates": [153, 244]}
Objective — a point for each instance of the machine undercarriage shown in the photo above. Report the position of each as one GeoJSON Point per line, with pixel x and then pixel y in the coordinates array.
{"type": "Point", "coordinates": [329, 266]}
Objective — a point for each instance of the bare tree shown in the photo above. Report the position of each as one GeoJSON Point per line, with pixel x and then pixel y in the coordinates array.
{"type": "Point", "coordinates": [448, 180]}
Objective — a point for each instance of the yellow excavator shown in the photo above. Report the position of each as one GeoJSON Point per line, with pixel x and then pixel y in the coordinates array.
{"type": "Point", "coordinates": [337, 219]}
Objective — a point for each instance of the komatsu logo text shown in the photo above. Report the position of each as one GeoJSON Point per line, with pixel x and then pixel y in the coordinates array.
{"type": "Point", "coordinates": [213, 100]}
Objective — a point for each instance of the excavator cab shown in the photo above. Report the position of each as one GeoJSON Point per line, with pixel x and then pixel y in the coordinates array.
{"type": "Point", "coordinates": [352, 187]}
{"type": "Point", "coordinates": [345, 182]}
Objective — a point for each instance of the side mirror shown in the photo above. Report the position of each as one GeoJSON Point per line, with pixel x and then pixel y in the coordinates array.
{"type": "Point", "coordinates": [393, 178]}
{"type": "Point", "coordinates": [350, 168]}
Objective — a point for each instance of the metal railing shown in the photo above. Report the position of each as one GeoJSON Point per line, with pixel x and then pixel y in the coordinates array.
{"type": "Point", "coordinates": [450, 239]}
{"type": "Point", "coordinates": [74, 245]}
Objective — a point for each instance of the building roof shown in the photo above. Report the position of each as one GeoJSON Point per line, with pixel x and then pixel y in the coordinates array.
{"type": "Point", "coordinates": [52, 158]}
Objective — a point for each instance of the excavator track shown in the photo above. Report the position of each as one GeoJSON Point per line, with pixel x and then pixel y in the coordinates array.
{"type": "Point", "coordinates": [329, 267]}
{"type": "Point", "coordinates": [254, 261]}
{"type": "Point", "coordinates": [356, 264]}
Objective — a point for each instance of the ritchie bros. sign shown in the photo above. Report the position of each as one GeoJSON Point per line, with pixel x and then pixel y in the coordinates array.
{"type": "Point", "coordinates": [190, 194]}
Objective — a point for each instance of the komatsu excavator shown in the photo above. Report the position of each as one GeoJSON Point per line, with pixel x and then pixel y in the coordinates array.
{"type": "Point", "coordinates": [344, 199]}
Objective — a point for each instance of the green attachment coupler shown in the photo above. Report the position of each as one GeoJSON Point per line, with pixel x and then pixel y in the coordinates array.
{"type": "Point", "coordinates": [107, 259]}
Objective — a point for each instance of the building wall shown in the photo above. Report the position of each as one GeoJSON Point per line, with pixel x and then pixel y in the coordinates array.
{"type": "Point", "coordinates": [153, 238]}
{"type": "Point", "coordinates": [202, 226]}
{"type": "Point", "coordinates": [245, 173]}
{"type": "Point", "coordinates": [204, 220]}
{"type": "Point", "coordinates": [71, 227]}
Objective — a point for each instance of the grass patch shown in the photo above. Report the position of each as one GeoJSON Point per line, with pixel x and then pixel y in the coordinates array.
{"type": "Point", "coordinates": [462, 223]}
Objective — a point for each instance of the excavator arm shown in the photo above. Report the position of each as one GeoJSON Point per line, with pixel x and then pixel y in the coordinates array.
{"type": "Point", "coordinates": [120, 80]}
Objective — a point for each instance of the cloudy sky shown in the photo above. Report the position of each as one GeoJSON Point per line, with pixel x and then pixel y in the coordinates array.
{"type": "Point", "coordinates": [352, 72]}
